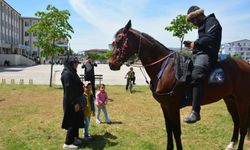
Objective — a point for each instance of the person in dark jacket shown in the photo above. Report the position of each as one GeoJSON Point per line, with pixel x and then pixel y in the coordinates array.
{"type": "Point", "coordinates": [89, 72]}
{"type": "Point", "coordinates": [205, 54]}
{"type": "Point", "coordinates": [73, 102]}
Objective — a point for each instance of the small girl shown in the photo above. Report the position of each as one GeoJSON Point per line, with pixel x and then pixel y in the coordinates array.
{"type": "Point", "coordinates": [101, 102]}
{"type": "Point", "coordinates": [90, 109]}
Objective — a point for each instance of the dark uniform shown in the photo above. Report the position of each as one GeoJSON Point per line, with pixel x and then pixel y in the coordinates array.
{"type": "Point", "coordinates": [89, 73]}
{"type": "Point", "coordinates": [72, 95]}
{"type": "Point", "coordinates": [205, 55]}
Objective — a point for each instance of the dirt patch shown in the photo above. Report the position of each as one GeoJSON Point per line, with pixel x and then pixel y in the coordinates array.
{"type": "Point", "coordinates": [247, 143]}
{"type": "Point", "coordinates": [1, 100]}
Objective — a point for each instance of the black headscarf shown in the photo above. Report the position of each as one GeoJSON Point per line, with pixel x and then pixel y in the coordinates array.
{"type": "Point", "coordinates": [68, 63]}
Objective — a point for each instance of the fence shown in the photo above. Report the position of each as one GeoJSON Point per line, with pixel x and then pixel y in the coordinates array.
{"type": "Point", "coordinates": [13, 81]}
{"type": "Point", "coordinates": [98, 77]}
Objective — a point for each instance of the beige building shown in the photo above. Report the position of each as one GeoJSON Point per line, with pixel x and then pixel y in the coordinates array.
{"type": "Point", "coordinates": [11, 47]}
{"type": "Point", "coordinates": [240, 48]}
{"type": "Point", "coordinates": [29, 39]}
{"type": "Point", "coordinates": [17, 45]}
{"type": "Point", "coordinates": [10, 30]}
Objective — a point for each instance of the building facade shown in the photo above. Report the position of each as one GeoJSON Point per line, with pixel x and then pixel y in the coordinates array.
{"type": "Point", "coordinates": [29, 39]}
{"type": "Point", "coordinates": [15, 38]}
{"type": "Point", "coordinates": [239, 48]}
{"type": "Point", "coordinates": [10, 30]}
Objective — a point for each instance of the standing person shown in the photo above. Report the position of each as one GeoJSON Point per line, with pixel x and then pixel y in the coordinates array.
{"type": "Point", "coordinates": [205, 54]}
{"type": "Point", "coordinates": [130, 76]}
{"type": "Point", "coordinates": [101, 102]}
{"type": "Point", "coordinates": [89, 72]}
{"type": "Point", "coordinates": [73, 102]}
{"type": "Point", "coordinates": [89, 110]}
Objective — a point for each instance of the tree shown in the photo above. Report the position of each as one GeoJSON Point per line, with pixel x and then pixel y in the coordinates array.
{"type": "Point", "coordinates": [180, 27]}
{"type": "Point", "coordinates": [53, 26]}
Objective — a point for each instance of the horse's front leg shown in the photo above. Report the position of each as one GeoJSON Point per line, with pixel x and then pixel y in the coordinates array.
{"type": "Point", "coordinates": [174, 115]}
{"type": "Point", "coordinates": [170, 144]}
{"type": "Point", "coordinates": [172, 121]}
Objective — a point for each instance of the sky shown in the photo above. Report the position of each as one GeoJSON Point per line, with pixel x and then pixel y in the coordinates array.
{"type": "Point", "coordinates": [96, 21]}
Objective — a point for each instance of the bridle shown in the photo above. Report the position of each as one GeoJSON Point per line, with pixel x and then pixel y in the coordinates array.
{"type": "Point", "coordinates": [122, 49]}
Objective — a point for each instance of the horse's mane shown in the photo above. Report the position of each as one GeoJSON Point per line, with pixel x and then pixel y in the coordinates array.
{"type": "Point", "coordinates": [148, 37]}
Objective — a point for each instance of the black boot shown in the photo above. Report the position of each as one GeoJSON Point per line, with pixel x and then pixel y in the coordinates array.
{"type": "Point", "coordinates": [193, 117]}
{"type": "Point", "coordinates": [197, 97]}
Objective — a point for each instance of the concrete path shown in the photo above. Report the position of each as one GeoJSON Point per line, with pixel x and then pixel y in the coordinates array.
{"type": "Point", "coordinates": [40, 74]}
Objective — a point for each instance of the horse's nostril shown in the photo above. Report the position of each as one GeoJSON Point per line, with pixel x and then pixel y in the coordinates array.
{"type": "Point", "coordinates": [110, 64]}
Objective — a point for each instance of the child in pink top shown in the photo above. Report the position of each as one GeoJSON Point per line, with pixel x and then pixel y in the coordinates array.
{"type": "Point", "coordinates": [101, 102]}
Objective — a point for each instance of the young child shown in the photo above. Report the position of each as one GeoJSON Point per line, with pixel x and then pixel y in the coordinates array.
{"type": "Point", "coordinates": [90, 109]}
{"type": "Point", "coordinates": [130, 76]}
{"type": "Point", "coordinates": [101, 102]}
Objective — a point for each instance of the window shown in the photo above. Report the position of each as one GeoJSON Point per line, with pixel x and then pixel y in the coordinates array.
{"type": "Point", "coordinates": [26, 24]}
{"type": "Point", "coordinates": [26, 33]}
{"type": "Point", "coordinates": [26, 43]}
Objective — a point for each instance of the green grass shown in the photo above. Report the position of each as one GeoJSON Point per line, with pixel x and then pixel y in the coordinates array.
{"type": "Point", "coordinates": [30, 119]}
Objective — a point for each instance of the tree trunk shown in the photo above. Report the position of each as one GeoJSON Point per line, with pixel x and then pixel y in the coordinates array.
{"type": "Point", "coordinates": [51, 71]}
{"type": "Point", "coordinates": [182, 38]}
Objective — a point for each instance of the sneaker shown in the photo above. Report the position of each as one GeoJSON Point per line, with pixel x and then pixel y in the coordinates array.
{"type": "Point", "coordinates": [71, 146]}
{"type": "Point", "coordinates": [88, 137]}
{"type": "Point", "coordinates": [108, 121]}
{"type": "Point", "coordinates": [98, 121]}
{"type": "Point", "coordinates": [77, 142]}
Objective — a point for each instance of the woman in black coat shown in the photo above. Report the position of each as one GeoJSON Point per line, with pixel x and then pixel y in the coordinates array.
{"type": "Point", "coordinates": [73, 101]}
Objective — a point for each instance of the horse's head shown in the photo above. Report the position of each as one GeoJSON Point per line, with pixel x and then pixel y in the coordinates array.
{"type": "Point", "coordinates": [123, 47]}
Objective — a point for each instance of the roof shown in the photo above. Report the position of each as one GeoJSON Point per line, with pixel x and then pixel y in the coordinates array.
{"type": "Point", "coordinates": [238, 41]}
{"type": "Point", "coordinates": [97, 50]}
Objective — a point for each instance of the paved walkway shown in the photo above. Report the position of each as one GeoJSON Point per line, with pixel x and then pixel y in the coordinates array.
{"type": "Point", "coordinates": [40, 74]}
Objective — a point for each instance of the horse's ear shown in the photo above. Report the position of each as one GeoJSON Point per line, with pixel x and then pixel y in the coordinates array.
{"type": "Point", "coordinates": [127, 27]}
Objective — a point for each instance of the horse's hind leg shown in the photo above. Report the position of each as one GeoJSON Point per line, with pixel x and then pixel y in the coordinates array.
{"type": "Point", "coordinates": [231, 107]}
{"type": "Point", "coordinates": [243, 116]}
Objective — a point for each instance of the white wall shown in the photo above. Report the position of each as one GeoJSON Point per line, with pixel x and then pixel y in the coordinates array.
{"type": "Point", "coordinates": [15, 60]}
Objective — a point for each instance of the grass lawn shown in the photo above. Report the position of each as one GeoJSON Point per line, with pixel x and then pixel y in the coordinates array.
{"type": "Point", "coordinates": [31, 115]}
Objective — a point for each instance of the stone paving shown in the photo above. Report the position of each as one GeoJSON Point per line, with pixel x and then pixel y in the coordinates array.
{"type": "Point", "coordinates": [40, 74]}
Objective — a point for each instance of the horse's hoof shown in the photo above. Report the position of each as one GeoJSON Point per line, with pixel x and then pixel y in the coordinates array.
{"type": "Point", "coordinates": [230, 146]}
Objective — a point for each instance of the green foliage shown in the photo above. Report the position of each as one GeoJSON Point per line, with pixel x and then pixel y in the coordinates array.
{"type": "Point", "coordinates": [186, 53]}
{"type": "Point", "coordinates": [53, 26]}
{"type": "Point", "coordinates": [179, 26]}
{"type": "Point", "coordinates": [98, 56]}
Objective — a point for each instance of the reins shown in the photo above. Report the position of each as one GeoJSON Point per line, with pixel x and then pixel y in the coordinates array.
{"type": "Point", "coordinates": [160, 60]}
{"type": "Point", "coordinates": [155, 83]}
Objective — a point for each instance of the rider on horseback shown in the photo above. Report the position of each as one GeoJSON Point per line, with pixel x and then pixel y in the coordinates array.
{"type": "Point", "coordinates": [205, 54]}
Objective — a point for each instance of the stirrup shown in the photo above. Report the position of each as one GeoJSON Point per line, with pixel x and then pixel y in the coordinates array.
{"type": "Point", "coordinates": [193, 117]}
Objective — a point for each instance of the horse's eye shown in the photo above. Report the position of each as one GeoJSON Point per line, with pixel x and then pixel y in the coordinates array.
{"type": "Point", "coordinates": [120, 36]}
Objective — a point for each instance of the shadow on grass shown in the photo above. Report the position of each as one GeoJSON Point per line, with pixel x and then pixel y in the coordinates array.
{"type": "Point", "coordinates": [99, 142]}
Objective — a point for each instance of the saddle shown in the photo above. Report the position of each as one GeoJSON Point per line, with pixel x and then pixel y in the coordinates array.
{"type": "Point", "coordinates": [183, 70]}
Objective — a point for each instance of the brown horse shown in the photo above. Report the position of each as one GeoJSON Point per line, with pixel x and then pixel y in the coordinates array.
{"type": "Point", "coordinates": [234, 90]}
